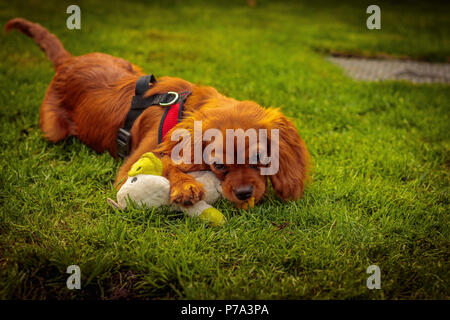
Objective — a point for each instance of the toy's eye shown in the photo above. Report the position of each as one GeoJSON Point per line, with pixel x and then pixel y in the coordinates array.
{"type": "Point", "coordinates": [138, 168]}
{"type": "Point", "coordinates": [133, 180]}
{"type": "Point", "coordinates": [218, 166]}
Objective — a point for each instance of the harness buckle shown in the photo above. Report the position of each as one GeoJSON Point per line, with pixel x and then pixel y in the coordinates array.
{"type": "Point", "coordinates": [123, 143]}
{"type": "Point", "coordinates": [176, 96]}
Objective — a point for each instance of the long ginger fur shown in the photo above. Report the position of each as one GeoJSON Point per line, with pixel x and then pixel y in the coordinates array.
{"type": "Point", "coordinates": [90, 95]}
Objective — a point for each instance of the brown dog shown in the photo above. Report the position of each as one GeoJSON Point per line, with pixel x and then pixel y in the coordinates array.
{"type": "Point", "coordinates": [90, 96]}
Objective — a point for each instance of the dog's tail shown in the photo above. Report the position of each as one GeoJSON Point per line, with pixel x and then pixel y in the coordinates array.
{"type": "Point", "coordinates": [47, 41]}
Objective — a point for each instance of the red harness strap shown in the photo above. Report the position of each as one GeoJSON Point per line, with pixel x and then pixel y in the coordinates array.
{"type": "Point", "coordinates": [172, 116]}
{"type": "Point", "coordinates": [171, 119]}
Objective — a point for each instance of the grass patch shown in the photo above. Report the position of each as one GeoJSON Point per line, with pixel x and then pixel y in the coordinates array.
{"type": "Point", "coordinates": [381, 158]}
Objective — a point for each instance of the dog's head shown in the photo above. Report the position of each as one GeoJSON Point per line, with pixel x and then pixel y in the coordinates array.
{"type": "Point", "coordinates": [243, 144]}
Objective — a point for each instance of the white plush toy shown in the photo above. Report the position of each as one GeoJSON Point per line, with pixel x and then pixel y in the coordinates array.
{"type": "Point", "coordinates": [147, 187]}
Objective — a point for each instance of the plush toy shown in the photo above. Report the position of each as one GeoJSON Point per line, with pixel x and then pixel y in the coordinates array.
{"type": "Point", "coordinates": [147, 187]}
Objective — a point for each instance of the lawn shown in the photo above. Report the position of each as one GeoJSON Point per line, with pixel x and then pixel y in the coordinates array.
{"type": "Point", "coordinates": [380, 181]}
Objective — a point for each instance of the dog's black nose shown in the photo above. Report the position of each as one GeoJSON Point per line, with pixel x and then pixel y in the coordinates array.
{"type": "Point", "coordinates": [243, 192]}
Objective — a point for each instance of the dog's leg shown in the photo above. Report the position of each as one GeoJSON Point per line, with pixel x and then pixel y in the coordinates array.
{"type": "Point", "coordinates": [53, 120]}
{"type": "Point", "coordinates": [184, 189]}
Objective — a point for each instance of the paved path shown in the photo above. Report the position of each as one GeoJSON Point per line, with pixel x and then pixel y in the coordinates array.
{"type": "Point", "coordinates": [377, 69]}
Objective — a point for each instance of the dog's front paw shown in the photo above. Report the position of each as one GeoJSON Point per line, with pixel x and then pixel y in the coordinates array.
{"type": "Point", "coordinates": [186, 193]}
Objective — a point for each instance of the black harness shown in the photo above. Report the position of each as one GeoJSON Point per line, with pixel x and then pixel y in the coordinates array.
{"type": "Point", "coordinates": [140, 103]}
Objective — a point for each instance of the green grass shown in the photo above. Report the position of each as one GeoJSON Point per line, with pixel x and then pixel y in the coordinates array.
{"type": "Point", "coordinates": [381, 158]}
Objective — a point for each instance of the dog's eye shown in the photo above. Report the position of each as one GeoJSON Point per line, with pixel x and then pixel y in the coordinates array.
{"type": "Point", "coordinates": [218, 166]}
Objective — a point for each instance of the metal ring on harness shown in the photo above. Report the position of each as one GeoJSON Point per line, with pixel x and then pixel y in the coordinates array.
{"type": "Point", "coordinates": [171, 101]}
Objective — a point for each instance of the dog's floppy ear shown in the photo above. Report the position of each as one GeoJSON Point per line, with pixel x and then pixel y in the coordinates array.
{"type": "Point", "coordinates": [293, 159]}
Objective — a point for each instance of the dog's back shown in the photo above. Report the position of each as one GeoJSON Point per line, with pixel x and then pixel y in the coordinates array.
{"type": "Point", "coordinates": [89, 94]}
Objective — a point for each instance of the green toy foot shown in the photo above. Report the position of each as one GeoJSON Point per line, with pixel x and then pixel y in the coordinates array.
{"type": "Point", "coordinates": [148, 163]}
{"type": "Point", "coordinates": [213, 216]}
